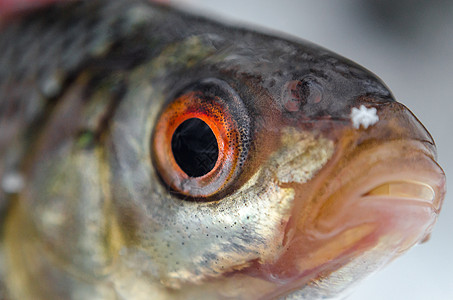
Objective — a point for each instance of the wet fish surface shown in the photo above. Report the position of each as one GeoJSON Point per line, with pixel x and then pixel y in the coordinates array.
{"type": "Point", "coordinates": [147, 153]}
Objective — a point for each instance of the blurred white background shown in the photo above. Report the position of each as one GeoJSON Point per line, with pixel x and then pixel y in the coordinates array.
{"type": "Point", "coordinates": [409, 44]}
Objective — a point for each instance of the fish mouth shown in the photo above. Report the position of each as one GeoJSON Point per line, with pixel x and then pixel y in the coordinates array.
{"type": "Point", "coordinates": [369, 205]}
{"type": "Point", "coordinates": [379, 195]}
{"type": "Point", "coordinates": [403, 172]}
{"type": "Point", "coordinates": [391, 190]}
{"type": "Point", "coordinates": [407, 190]}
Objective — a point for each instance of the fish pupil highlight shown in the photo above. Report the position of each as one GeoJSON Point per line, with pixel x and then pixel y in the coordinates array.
{"type": "Point", "coordinates": [195, 147]}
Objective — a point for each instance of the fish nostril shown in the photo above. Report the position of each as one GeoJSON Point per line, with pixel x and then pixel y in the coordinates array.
{"type": "Point", "coordinates": [404, 189]}
{"type": "Point", "coordinates": [297, 93]}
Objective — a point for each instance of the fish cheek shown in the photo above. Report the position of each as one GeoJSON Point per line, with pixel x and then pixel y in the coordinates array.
{"type": "Point", "coordinates": [183, 241]}
{"type": "Point", "coordinates": [251, 223]}
{"type": "Point", "coordinates": [170, 231]}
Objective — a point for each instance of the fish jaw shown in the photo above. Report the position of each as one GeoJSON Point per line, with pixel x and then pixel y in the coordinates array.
{"type": "Point", "coordinates": [369, 215]}
{"type": "Point", "coordinates": [379, 195]}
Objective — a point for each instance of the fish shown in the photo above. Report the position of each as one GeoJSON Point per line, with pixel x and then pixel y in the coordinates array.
{"type": "Point", "coordinates": [149, 153]}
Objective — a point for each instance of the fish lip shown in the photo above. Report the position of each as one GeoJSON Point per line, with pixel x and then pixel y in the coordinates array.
{"type": "Point", "coordinates": [429, 188]}
{"type": "Point", "coordinates": [420, 172]}
{"type": "Point", "coordinates": [351, 206]}
{"type": "Point", "coordinates": [335, 181]}
{"type": "Point", "coordinates": [407, 191]}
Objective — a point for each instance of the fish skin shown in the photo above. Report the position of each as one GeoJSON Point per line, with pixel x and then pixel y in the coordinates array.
{"type": "Point", "coordinates": [77, 111]}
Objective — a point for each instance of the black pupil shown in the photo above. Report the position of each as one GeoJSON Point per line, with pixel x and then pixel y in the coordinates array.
{"type": "Point", "coordinates": [194, 147]}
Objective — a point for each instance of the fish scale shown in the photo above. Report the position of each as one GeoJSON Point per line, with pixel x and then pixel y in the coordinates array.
{"type": "Point", "coordinates": [67, 44]}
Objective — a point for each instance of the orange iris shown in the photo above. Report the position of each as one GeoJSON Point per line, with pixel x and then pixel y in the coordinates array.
{"type": "Point", "coordinates": [214, 112]}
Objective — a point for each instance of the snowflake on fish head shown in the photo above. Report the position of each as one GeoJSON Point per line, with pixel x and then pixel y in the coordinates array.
{"type": "Point", "coordinates": [363, 116]}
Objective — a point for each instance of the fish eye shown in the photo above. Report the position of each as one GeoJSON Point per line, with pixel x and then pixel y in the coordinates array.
{"type": "Point", "coordinates": [201, 139]}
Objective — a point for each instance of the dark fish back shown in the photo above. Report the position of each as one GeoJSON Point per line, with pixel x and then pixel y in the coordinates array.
{"type": "Point", "coordinates": [43, 53]}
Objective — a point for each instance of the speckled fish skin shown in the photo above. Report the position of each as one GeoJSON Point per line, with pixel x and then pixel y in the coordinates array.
{"type": "Point", "coordinates": [82, 86]}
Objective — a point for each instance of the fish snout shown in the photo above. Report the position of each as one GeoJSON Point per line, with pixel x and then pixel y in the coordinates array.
{"type": "Point", "coordinates": [379, 194]}
{"type": "Point", "coordinates": [383, 172]}
{"type": "Point", "coordinates": [380, 122]}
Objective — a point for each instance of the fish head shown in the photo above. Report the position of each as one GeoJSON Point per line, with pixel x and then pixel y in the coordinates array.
{"type": "Point", "coordinates": [272, 167]}
{"type": "Point", "coordinates": [188, 159]}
